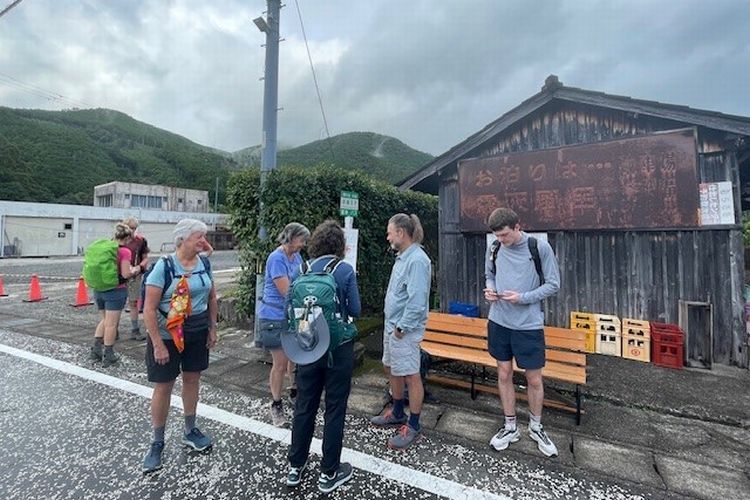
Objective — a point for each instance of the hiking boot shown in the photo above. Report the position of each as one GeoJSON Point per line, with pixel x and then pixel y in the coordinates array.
{"type": "Point", "coordinates": [544, 443]}
{"type": "Point", "coordinates": [504, 437]}
{"type": "Point", "coordinates": [109, 358]}
{"type": "Point", "coordinates": [406, 436]}
{"type": "Point", "coordinates": [327, 484]}
{"type": "Point", "coordinates": [96, 352]}
{"type": "Point", "coordinates": [152, 460]}
{"type": "Point", "coordinates": [387, 419]}
{"type": "Point", "coordinates": [135, 334]}
{"type": "Point", "coordinates": [293, 395]}
{"type": "Point", "coordinates": [197, 440]}
{"type": "Point", "coordinates": [277, 416]}
{"type": "Point", "coordinates": [295, 474]}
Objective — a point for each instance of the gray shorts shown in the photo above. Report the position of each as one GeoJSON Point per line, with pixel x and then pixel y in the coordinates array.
{"type": "Point", "coordinates": [134, 288]}
{"type": "Point", "coordinates": [402, 355]}
{"type": "Point", "coordinates": [111, 300]}
{"type": "Point", "coordinates": [270, 332]}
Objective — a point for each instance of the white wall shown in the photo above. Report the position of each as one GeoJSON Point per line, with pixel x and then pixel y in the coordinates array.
{"type": "Point", "coordinates": [38, 229]}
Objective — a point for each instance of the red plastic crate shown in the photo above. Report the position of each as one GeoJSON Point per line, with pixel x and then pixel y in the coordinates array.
{"type": "Point", "coordinates": [667, 355]}
{"type": "Point", "coordinates": [665, 327]}
{"type": "Point", "coordinates": [666, 337]}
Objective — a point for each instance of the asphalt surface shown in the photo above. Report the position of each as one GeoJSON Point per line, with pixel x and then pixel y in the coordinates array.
{"type": "Point", "coordinates": [76, 430]}
{"type": "Point", "coordinates": [648, 432]}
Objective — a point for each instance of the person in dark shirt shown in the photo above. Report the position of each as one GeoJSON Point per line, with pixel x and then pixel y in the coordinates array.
{"type": "Point", "coordinates": [138, 258]}
{"type": "Point", "coordinates": [330, 373]}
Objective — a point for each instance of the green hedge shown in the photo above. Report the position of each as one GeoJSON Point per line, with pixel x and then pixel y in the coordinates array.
{"type": "Point", "coordinates": [310, 196]}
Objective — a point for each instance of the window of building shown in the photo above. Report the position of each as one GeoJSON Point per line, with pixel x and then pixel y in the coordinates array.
{"type": "Point", "coordinates": [68, 226]}
{"type": "Point", "coordinates": [179, 200]}
{"type": "Point", "coordinates": [104, 201]}
{"type": "Point", "coordinates": [200, 202]}
{"type": "Point", "coordinates": [127, 196]}
{"type": "Point", "coordinates": [145, 201]}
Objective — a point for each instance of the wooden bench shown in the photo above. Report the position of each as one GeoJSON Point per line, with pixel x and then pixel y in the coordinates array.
{"type": "Point", "coordinates": [459, 338]}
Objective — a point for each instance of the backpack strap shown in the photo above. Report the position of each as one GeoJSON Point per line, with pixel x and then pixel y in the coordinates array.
{"type": "Point", "coordinates": [332, 265]}
{"type": "Point", "coordinates": [534, 250]}
{"type": "Point", "coordinates": [494, 251]}
{"type": "Point", "coordinates": [305, 267]}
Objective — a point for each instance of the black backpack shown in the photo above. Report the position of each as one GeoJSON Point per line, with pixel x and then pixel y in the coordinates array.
{"type": "Point", "coordinates": [169, 274]}
{"type": "Point", "coordinates": [533, 249]}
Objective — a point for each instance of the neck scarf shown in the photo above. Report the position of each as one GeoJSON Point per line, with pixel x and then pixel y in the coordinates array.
{"type": "Point", "coordinates": [180, 307]}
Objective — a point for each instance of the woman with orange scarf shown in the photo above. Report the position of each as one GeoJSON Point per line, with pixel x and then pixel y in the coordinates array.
{"type": "Point", "coordinates": [180, 314]}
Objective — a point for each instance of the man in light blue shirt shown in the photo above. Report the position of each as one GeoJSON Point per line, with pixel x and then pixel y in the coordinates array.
{"type": "Point", "coordinates": [406, 308]}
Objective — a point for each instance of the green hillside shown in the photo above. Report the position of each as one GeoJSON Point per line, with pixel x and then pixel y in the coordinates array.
{"type": "Point", "coordinates": [59, 156]}
{"type": "Point", "coordinates": [383, 157]}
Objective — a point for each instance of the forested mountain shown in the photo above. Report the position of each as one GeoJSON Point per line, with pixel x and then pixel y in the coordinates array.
{"type": "Point", "coordinates": [381, 156]}
{"type": "Point", "coordinates": [59, 156]}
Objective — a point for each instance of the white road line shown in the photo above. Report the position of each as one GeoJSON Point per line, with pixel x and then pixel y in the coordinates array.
{"type": "Point", "coordinates": [362, 461]}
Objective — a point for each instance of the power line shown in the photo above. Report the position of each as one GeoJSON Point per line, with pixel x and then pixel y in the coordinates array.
{"type": "Point", "coordinates": [315, 79]}
{"type": "Point", "coordinates": [6, 9]}
{"type": "Point", "coordinates": [37, 91]}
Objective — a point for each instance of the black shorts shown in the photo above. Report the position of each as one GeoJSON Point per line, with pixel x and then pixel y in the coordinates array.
{"type": "Point", "coordinates": [526, 346]}
{"type": "Point", "coordinates": [194, 358]}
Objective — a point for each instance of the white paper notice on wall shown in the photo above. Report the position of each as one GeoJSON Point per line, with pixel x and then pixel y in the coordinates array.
{"type": "Point", "coordinates": [717, 203]}
{"type": "Point", "coordinates": [352, 239]}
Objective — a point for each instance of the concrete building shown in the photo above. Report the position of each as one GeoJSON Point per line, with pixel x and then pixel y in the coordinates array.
{"type": "Point", "coordinates": [150, 197]}
{"type": "Point", "coordinates": [46, 229]}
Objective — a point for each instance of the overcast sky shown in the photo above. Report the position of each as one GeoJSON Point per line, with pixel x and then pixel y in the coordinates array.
{"type": "Point", "coordinates": [427, 72]}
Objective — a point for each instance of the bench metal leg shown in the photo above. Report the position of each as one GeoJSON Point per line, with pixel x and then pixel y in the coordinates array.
{"type": "Point", "coordinates": [578, 404]}
{"type": "Point", "coordinates": [473, 381]}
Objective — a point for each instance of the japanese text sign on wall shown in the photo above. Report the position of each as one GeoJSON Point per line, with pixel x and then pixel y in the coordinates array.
{"type": "Point", "coordinates": [640, 182]}
{"type": "Point", "coordinates": [717, 203]}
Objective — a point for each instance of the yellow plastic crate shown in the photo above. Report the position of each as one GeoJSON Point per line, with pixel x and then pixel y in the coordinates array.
{"type": "Point", "coordinates": [581, 316]}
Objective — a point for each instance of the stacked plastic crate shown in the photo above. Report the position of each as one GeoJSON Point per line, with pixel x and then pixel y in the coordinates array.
{"type": "Point", "coordinates": [636, 339]}
{"type": "Point", "coordinates": [586, 323]}
{"type": "Point", "coordinates": [608, 335]}
{"type": "Point", "coordinates": [667, 345]}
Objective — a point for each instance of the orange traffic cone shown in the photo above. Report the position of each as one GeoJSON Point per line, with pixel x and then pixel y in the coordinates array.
{"type": "Point", "coordinates": [82, 295]}
{"type": "Point", "coordinates": [35, 291]}
{"type": "Point", "coordinates": [2, 287]}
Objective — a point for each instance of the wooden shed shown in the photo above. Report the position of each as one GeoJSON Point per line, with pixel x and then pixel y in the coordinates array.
{"type": "Point", "coordinates": [641, 201]}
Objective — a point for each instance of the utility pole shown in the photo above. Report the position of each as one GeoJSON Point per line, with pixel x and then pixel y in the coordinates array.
{"type": "Point", "coordinates": [270, 26]}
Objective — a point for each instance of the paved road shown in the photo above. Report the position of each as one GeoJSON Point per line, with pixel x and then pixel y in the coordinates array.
{"type": "Point", "coordinates": [74, 430]}
{"type": "Point", "coordinates": [57, 269]}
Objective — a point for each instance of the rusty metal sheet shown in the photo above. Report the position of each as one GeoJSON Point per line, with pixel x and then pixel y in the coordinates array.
{"type": "Point", "coordinates": [641, 182]}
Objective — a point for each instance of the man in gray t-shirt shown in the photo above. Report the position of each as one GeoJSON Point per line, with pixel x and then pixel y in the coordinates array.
{"type": "Point", "coordinates": [515, 330]}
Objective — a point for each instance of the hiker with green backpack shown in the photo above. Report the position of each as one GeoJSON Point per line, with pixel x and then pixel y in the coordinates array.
{"type": "Point", "coordinates": [106, 269]}
{"type": "Point", "coordinates": [323, 301]}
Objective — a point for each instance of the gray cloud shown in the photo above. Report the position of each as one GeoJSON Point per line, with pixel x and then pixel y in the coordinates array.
{"type": "Point", "coordinates": [428, 72]}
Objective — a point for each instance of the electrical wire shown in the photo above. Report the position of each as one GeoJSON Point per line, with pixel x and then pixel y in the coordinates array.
{"type": "Point", "coordinates": [315, 80]}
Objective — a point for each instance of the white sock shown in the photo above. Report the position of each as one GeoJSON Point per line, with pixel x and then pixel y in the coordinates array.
{"type": "Point", "coordinates": [535, 422]}
{"type": "Point", "coordinates": [510, 422]}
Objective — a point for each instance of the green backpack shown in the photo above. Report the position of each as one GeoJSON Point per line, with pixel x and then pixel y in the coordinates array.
{"type": "Point", "coordinates": [100, 266]}
{"type": "Point", "coordinates": [318, 290]}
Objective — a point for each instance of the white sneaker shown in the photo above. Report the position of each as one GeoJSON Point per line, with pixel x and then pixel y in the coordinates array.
{"type": "Point", "coordinates": [544, 443]}
{"type": "Point", "coordinates": [504, 437]}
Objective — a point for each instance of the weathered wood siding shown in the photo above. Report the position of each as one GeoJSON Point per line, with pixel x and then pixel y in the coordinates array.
{"type": "Point", "coordinates": [638, 274]}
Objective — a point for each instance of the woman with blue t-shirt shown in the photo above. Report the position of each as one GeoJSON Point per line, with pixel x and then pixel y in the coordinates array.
{"type": "Point", "coordinates": [282, 267]}
{"type": "Point", "coordinates": [180, 314]}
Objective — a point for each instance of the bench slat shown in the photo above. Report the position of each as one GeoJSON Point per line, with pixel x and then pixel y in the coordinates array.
{"type": "Point", "coordinates": [553, 369]}
{"type": "Point", "coordinates": [490, 389]}
{"type": "Point", "coordinates": [480, 345]}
